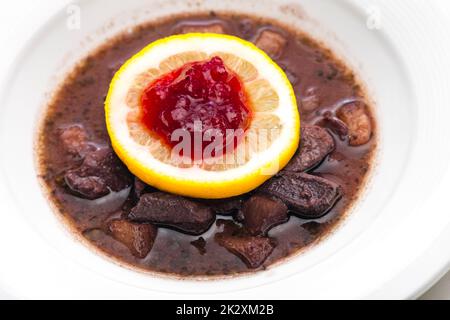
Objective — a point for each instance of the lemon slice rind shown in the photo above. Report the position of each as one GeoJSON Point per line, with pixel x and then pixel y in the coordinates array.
{"type": "Point", "coordinates": [195, 181]}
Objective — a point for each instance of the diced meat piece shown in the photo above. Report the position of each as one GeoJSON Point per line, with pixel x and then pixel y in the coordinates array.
{"type": "Point", "coordinates": [75, 140]}
{"type": "Point", "coordinates": [173, 211]}
{"type": "Point", "coordinates": [139, 238]}
{"type": "Point", "coordinates": [261, 213]}
{"type": "Point", "coordinates": [203, 28]}
{"type": "Point", "coordinates": [226, 206]}
{"type": "Point", "coordinates": [307, 195]}
{"type": "Point", "coordinates": [100, 173]}
{"type": "Point", "coordinates": [334, 124]}
{"type": "Point", "coordinates": [359, 124]}
{"type": "Point", "coordinates": [271, 42]}
{"type": "Point", "coordinates": [253, 251]}
{"type": "Point", "coordinates": [316, 143]}
{"type": "Point", "coordinates": [200, 245]}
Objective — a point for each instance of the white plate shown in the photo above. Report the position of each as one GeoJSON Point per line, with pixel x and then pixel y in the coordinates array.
{"type": "Point", "coordinates": [394, 244]}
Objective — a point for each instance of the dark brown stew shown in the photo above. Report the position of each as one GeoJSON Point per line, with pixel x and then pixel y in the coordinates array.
{"type": "Point", "coordinates": [159, 232]}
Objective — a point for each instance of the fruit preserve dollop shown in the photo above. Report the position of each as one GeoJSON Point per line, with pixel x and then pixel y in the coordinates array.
{"type": "Point", "coordinates": [204, 96]}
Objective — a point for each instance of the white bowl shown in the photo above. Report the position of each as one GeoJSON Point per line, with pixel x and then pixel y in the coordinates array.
{"type": "Point", "coordinates": [385, 248]}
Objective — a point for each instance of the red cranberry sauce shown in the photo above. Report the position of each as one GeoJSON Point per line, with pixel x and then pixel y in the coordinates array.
{"type": "Point", "coordinates": [202, 93]}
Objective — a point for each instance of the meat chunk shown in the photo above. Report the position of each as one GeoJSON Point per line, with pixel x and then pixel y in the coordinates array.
{"type": "Point", "coordinates": [316, 143]}
{"type": "Point", "coordinates": [75, 140]}
{"type": "Point", "coordinates": [139, 238]}
{"type": "Point", "coordinates": [334, 124]}
{"type": "Point", "coordinates": [271, 42]}
{"type": "Point", "coordinates": [226, 206]}
{"type": "Point", "coordinates": [261, 213]}
{"type": "Point", "coordinates": [100, 173]}
{"type": "Point", "coordinates": [253, 251]}
{"type": "Point", "coordinates": [359, 124]}
{"type": "Point", "coordinates": [307, 195]}
{"type": "Point", "coordinates": [203, 28]}
{"type": "Point", "coordinates": [173, 211]}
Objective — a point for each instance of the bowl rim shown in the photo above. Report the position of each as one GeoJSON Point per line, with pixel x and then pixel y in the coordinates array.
{"type": "Point", "coordinates": [426, 279]}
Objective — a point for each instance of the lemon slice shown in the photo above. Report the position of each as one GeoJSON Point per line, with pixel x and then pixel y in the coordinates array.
{"type": "Point", "coordinates": [267, 145]}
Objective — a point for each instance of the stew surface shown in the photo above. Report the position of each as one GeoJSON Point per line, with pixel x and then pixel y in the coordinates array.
{"type": "Point", "coordinates": [141, 226]}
